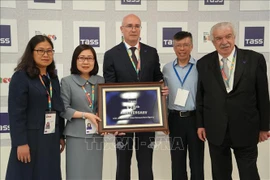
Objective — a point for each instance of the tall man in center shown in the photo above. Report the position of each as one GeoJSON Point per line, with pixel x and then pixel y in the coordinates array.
{"type": "Point", "coordinates": [133, 61]}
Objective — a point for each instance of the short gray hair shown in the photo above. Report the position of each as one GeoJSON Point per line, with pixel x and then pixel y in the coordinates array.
{"type": "Point", "coordinates": [221, 25]}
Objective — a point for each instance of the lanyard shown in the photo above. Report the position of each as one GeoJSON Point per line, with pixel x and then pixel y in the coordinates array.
{"type": "Point", "coordinates": [91, 105]}
{"type": "Point", "coordinates": [49, 94]}
{"type": "Point", "coordinates": [227, 79]}
{"type": "Point", "coordinates": [182, 82]}
{"type": "Point", "coordinates": [137, 69]}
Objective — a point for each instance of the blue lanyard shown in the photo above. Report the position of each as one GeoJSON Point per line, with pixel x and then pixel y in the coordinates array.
{"type": "Point", "coordinates": [182, 82]}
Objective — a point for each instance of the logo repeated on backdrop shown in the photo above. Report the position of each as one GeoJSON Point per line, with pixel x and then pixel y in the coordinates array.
{"type": "Point", "coordinates": [5, 38]}
{"type": "Point", "coordinates": [131, 2]}
{"type": "Point", "coordinates": [254, 36]}
{"type": "Point", "coordinates": [213, 2]}
{"type": "Point", "coordinates": [51, 36]}
{"type": "Point", "coordinates": [4, 123]}
{"type": "Point", "coordinates": [90, 36]}
{"type": "Point", "coordinates": [167, 36]}
{"type": "Point", "coordinates": [44, 1]}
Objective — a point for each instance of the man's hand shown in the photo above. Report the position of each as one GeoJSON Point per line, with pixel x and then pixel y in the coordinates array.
{"type": "Point", "coordinates": [23, 153]}
{"type": "Point", "coordinates": [166, 132]}
{"type": "Point", "coordinates": [165, 91]}
{"type": "Point", "coordinates": [264, 135]}
{"type": "Point", "coordinates": [201, 134]}
{"type": "Point", "coordinates": [119, 133]}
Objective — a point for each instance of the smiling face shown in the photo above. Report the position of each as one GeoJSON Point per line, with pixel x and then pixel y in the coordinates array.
{"type": "Point", "coordinates": [85, 62]}
{"type": "Point", "coordinates": [224, 40]}
{"type": "Point", "coordinates": [43, 60]}
{"type": "Point", "coordinates": [131, 29]}
{"type": "Point", "coordinates": [182, 49]}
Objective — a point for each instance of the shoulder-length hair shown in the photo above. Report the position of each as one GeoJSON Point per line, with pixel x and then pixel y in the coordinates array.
{"type": "Point", "coordinates": [74, 69]}
{"type": "Point", "coordinates": [27, 62]}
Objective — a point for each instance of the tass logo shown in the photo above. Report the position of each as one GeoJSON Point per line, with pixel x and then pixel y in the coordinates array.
{"type": "Point", "coordinates": [213, 2]}
{"type": "Point", "coordinates": [168, 33]}
{"type": "Point", "coordinates": [254, 36]}
{"type": "Point", "coordinates": [131, 2]}
{"type": "Point", "coordinates": [5, 38]}
{"type": "Point", "coordinates": [4, 123]}
{"type": "Point", "coordinates": [89, 36]}
{"type": "Point", "coordinates": [51, 36]}
{"type": "Point", "coordinates": [44, 1]}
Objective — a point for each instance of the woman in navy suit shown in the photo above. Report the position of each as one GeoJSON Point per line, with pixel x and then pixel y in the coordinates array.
{"type": "Point", "coordinates": [34, 101]}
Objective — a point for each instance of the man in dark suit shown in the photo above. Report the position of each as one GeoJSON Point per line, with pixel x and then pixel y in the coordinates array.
{"type": "Point", "coordinates": [132, 61]}
{"type": "Point", "coordinates": [232, 104]}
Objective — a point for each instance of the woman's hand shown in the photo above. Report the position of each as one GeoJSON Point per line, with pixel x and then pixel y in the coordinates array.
{"type": "Point", "coordinates": [93, 118]}
{"type": "Point", "coordinates": [23, 153]}
{"type": "Point", "coordinates": [62, 145]}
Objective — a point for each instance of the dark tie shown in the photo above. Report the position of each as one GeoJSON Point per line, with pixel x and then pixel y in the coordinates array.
{"type": "Point", "coordinates": [133, 56]}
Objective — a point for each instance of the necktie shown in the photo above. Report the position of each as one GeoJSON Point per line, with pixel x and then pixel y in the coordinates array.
{"type": "Point", "coordinates": [133, 56]}
{"type": "Point", "coordinates": [225, 67]}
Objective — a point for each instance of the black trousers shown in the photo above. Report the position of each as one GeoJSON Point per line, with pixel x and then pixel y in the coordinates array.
{"type": "Point", "coordinates": [221, 160]}
{"type": "Point", "coordinates": [144, 144]}
{"type": "Point", "coordinates": [183, 137]}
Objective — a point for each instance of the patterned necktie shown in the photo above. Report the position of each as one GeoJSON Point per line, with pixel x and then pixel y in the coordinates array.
{"type": "Point", "coordinates": [225, 67]}
{"type": "Point", "coordinates": [133, 56]}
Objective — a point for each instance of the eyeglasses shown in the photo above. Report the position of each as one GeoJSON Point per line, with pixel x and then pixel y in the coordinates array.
{"type": "Point", "coordinates": [130, 27]}
{"type": "Point", "coordinates": [87, 59]}
{"type": "Point", "coordinates": [185, 45]}
{"type": "Point", "coordinates": [42, 51]}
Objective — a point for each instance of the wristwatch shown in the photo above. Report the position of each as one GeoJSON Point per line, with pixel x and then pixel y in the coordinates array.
{"type": "Point", "coordinates": [83, 115]}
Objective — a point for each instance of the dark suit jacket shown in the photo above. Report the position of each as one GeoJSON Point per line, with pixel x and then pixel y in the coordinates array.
{"type": "Point", "coordinates": [117, 66]}
{"type": "Point", "coordinates": [245, 110]}
{"type": "Point", "coordinates": [27, 103]}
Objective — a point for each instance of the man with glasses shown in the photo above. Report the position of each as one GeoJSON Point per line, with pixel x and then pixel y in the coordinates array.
{"type": "Point", "coordinates": [181, 77]}
{"type": "Point", "coordinates": [133, 61]}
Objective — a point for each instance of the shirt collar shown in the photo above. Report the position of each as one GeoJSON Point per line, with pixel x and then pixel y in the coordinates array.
{"type": "Point", "coordinates": [128, 46]}
{"type": "Point", "coordinates": [80, 81]}
{"type": "Point", "coordinates": [230, 57]}
{"type": "Point", "coordinates": [191, 61]}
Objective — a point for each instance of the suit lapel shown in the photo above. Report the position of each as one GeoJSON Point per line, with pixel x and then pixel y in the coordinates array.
{"type": "Point", "coordinates": [216, 70]}
{"type": "Point", "coordinates": [143, 54]}
{"type": "Point", "coordinates": [37, 84]}
{"type": "Point", "coordinates": [125, 59]}
{"type": "Point", "coordinates": [239, 67]}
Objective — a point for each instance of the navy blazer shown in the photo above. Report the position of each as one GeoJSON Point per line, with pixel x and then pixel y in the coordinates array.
{"type": "Point", "coordinates": [27, 103]}
{"type": "Point", "coordinates": [117, 66]}
{"type": "Point", "coordinates": [244, 110]}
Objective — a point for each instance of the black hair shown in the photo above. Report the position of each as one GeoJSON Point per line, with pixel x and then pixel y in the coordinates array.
{"type": "Point", "coordinates": [181, 35]}
{"type": "Point", "coordinates": [27, 62]}
{"type": "Point", "coordinates": [74, 69]}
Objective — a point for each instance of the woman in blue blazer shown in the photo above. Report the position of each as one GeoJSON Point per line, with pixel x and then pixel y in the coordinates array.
{"type": "Point", "coordinates": [34, 101]}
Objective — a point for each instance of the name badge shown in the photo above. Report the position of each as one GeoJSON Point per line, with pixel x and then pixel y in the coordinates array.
{"type": "Point", "coordinates": [50, 118]}
{"type": "Point", "coordinates": [181, 97]}
{"type": "Point", "coordinates": [90, 128]}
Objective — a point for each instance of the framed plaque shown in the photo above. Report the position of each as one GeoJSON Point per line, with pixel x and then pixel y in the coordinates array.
{"type": "Point", "coordinates": [132, 107]}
